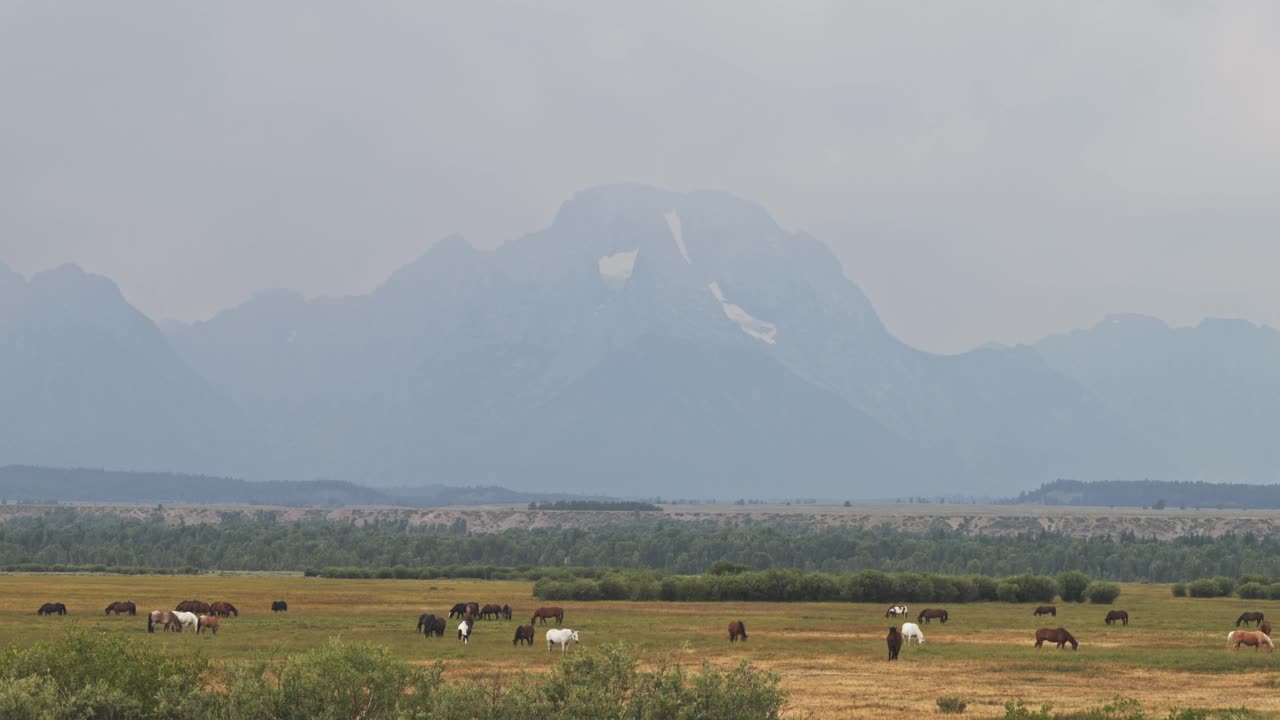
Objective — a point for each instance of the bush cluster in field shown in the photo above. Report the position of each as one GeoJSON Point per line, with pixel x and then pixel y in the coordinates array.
{"type": "Point", "coordinates": [1120, 709]}
{"type": "Point", "coordinates": [1248, 587]}
{"type": "Point", "coordinates": [86, 675]}
{"type": "Point", "coordinates": [735, 584]}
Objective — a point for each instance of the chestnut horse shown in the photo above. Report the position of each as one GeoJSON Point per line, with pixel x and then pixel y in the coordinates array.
{"type": "Point", "coordinates": [737, 630]}
{"type": "Point", "coordinates": [1115, 615]}
{"type": "Point", "coordinates": [1249, 617]}
{"type": "Point", "coordinates": [207, 622]}
{"type": "Point", "coordinates": [1060, 636]}
{"type": "Point", "coordinates": [525, 633]}
{"type": "Point", "coordinates": [1252, 638]}
{"type": "Point", "coordinates": [930, 614]}
{"type": "Point", "coordinates": [543, 613]}
{"type": "Point", "coordinates": [120, 608]}
{"type": "Point", "coordinates": [895, 642]}
{"type": "Point", "coordinates": [1265, 627]}
{"type": "Point", "coordinates": [223, 609]}
{"type": "Point", "coordinates": [1046, 610]}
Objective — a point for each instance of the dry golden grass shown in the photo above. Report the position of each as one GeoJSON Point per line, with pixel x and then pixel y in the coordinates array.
{"type": "Point", "coordinates": [830, 656]}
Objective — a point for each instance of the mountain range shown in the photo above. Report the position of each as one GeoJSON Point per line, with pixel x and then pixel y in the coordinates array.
{"type": "Point", "coordinates": [645, 343]}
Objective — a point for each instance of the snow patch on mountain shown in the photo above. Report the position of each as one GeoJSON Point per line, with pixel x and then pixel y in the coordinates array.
{"type": "Point", "coordinates": [677, 231]}
{"type": "Point", "coordinates": [759, 329]}
{"type": "Point", "coordinates": [616, 269]}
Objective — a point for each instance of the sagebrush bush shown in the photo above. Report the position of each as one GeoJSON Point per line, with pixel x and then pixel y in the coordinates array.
{"type": "Point", "coordinates": [951, 705]}
{"type": "Point", "coordinates": [1102, 593]}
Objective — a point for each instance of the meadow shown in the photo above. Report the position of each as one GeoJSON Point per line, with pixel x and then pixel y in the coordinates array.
{"type": "Point", "coordinates": [830, 656]}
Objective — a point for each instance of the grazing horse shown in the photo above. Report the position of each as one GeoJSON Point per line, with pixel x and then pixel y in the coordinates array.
{"type": "Point", "coordinates": [561, 636]}
{"type": "Point", "coordinates": [193, 606]}
{"type": "Point", "coordinates": [223, 609]}
{"type": "Point", "coordinates": [1252, 638]}
{"type": "Point", "coordinates": [424, 623]}
{"type": "Point", "coordinates": [1249, 617]}
{"type": "Point", "coordinates": [165, 619]}
{"type": "Point", "coordinates": [895, 642]}
{"type": "Point", "coordinates": [464, 632]}
{"type": "Point", "coordinates": [911, 631]}
{"type": "Point", "coordinates": [930, 614]}
{"type": "Point", "coordinates": [1060, 636]}
{"type": "Point", "coordinates": [543, 613]}
{"type": "Point", "coordinates": [896, 611]}
{"type": "Point", "coordinates": [525, 633]}
{"type": "Point", "coordinates": [490, 612]}
{"type": "Point", "coordinates": [1046, 610]}
{"type": "Point", "coordinates": [52, 609]}
{"type": "Point", "coordinates": [120, 608]}
{"type": "Point", "coordinates": [435, 627]}
{"type": "Point", "coordinates": [737, 630]}
{"type": "Point", "coordinates": [458, 610]}
{"type": "Point", "coordinates": [188, 620]}
{"type": "Point", "coordinates": [1265, 627]}
{"type": "Point", "coordinates": [1115, 615]}
{"type": "Point", "coordinates": [506, 611]}
{"type": "Point", "coordinates": [207, 622]}
{"type": "Point", "coordinates": [279, 606]}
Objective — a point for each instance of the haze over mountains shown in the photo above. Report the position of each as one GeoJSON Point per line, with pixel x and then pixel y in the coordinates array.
{"type": "Point", "coordinates": [646, 343]}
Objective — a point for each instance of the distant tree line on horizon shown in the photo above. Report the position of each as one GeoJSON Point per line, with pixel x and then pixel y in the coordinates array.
{"type": "Point", "coordinates": [595, 505]}
{"type": "Point", "coordinates": [1155, 494]}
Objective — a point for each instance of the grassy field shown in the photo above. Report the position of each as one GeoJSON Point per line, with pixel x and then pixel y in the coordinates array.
{"type": "Point", "coordinates": [831, 656]}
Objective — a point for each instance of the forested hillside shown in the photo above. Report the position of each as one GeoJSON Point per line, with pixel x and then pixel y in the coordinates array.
{"type": "Point", "coordinates": [1154, 494]}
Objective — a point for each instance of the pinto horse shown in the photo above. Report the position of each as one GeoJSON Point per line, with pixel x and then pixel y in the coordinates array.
{"type": "Point", "coordinates": [207, 622]}
{"type": "Point", "coordinates": [223, 609]}
{"type": "Point", "coordinates": [1252, 638]}
{"type": "Point", "coordinates": [1249, 617]}
{"type": "Point", "coordinates": [52, 609]}
{"type": "Point", "coordinates": [561, 637]}
{"type": "Point", "coordinates": [1058, 636]}
{"type": "Point", "coordinates": [896, 611]}
{"type": "Point", "coordinates": [1046, 610]}
{"type": "Point", "coordinates": [523, 633]}
{"type": "Point", "coordinates": [543, 613]}
{"type": "Point", "coordinates": [491, 612]}
{"type": "Point", "coordinates": [1115, 615]}
{"type": "Point", "coordinates": [193, 606]}
{"type": "Point", "coordinates": [464, 632]}
{"type": "Point", "coordinates": [737, 630]}
{"type": "Point", "coordinates": [930, 614]}
{"type": "Point", "coordinates": [895, 642]}
{"type": "Point", "coordinates": [164, 618]}
{"type": "Point", "coordinates": [120, 608]}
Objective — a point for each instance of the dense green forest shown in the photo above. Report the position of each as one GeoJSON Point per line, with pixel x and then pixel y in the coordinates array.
{"type": "Point", "coordinates": [1157, 494]}
{"type": "Point", "coordinates": [240, 543]}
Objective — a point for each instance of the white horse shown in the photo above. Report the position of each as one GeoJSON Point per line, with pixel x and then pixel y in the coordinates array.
{"type": "Point", "coordinates": [464, 632]}
{"type": "Point", "coordinates": [188, 620]}
{"type": "Point", "coordinates": [896, 610]}
{"type": "Point", "coordinates": [912, 630]}
{"type": "Point", "coordinates": [561, 636]}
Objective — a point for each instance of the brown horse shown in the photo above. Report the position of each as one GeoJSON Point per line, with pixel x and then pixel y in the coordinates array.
{"type": "Point", "coordinates": [737, 630]}
{"type": "Point", "coordinates": [435, 627]}
{"type": "Point", "coordinates": [506, 611]}
{"type": "Point", "coordinates": [165, 619]}
{"type": "Point", "coordinates": [458, 610]}
{"type": "Point", "coordinates": [1252, 638]}
{"type": "Point", "coordinates": [120, 608]}
{"type": "Point", "coordinates": [1115, 615]}
{"type": "Point", "coordinates": [1265, 627]}
{"type": "Point", "coordinates": [491, 612]}
{"type": "Point", "coordinates": [1046, 610]}
{"type": "Point", "coordinates": [930, 614]}
{"type": "Point", "coordinates": [207, 622]}
{"type": "Point", "coordinates": [1249, 617]}
{"type": "Point", "coordinates": [279, 606]}
{"type": "Point", "coordinates": [543, 613]}
{"type": "Point", "coordinates": [223, 609]}
{"type": "Point", "coordinates": [52, 609]}
{"type": "Point", "coordinates": [1060, 636]}
{"type": "Point", "coordinates": [473, 609]}
{"type": "Point", "coordinates": [525, 633]}
{"type": "Point", "coordinates": [895, 642]}
{"type": "Point", "coordinates": [193, 606]}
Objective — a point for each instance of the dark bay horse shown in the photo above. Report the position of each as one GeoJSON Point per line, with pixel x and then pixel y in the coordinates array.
{"type": "Point", "coordinates": [737, 630]}
{"type": "Point", "coordinates": [1249, 617]}
{"type": "Point", "coordinates": [1120, 615]}
{"type": "Point", "coordinates": [121, 608]}
{"type": "Point", "coordinates": [525, 633]}
{"type": "Point", "coordinates": [458, 610]}
{"type": "Point", "coordinates": [425, 621]}
{"type": "Point", "coordinates": [1058, 636]}
{"type": "Point", "coordinates": [279, 606]}
{"type": "Point", "coordinates": [930, 614]}
{"type": "Point", "coordinates": [435, 627]}
{"type": "Point", "coordinates": [491, 611]}
{"type": "Point", "coordinates": [1046, 610]}
{"type": "Point", "coordinates": [193, 606]}
{"type": "Point", "coordinates": [207, 622]}
{"type": "Point", "coordinates": [223, 609]}
{"type": "Point", "coordinates": [551, 611]}
{"type": "Point", "coordinates": [506, 611]}
{"type": "Point", "coordinates": [52, 609]}
{"type": "Point", "coordinates": [895, 642]}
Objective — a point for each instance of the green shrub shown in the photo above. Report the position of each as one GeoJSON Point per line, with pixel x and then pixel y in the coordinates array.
{"type": "Point", "coordinates": [1071, 586]}
{"type": "Point", "coordinates": [1102, 593]}
{"type": "Point", "coordinates": [951, 705]}
{"type": "Point", "coordinates": [1226, 586]}
{"type": "Point", "coordinates": [1202, 588]}
{"type": "Point", "coordinates": [1273, 591]}
{"type": "Point", "coordinates": [1252, 591]}
{"type": "Point", "coordinates": [1179, 589]}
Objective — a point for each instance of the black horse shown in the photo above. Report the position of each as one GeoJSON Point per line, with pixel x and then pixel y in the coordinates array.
{"type": "Point", "coordinates": [431, 625]}
{"type": "Point", "coordinates": [52, 609]}
{"type": "Point", "coordinates": [458, 610]}
{"type": "Point", "coordinates": [279, 606]}
{"type": "Point", "coordinates": [895, 642]}
{"type": "Point", "coordinates": [425, 621]}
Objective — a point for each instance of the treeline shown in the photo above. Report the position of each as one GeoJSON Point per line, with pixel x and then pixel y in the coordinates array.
{"type": "Point", "coordinates": [868, 586]}
{"type": "Point", "coordinates": [65, 537]}
{"type": "Point", "coordinates": [1157, 494]}
{"type": "Point", "coordinates": [596, 505]}
{"type": "Point", "coordinates": [87, 675]}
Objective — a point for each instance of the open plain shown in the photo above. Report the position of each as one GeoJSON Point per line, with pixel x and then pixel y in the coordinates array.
{"type": "Point", "coordinates": [830, 656]}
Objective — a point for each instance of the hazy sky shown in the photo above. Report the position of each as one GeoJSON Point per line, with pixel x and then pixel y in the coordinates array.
{"type": "Point", "coordinates": [985, 170]}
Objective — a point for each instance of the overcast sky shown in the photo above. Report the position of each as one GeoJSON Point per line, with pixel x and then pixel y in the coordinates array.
{"type": "Point", "coordinates": [984, 170]}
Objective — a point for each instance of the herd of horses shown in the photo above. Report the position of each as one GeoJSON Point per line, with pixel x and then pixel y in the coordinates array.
{"type": "Point", "coordinates": [194, 614]}
{"type": "Point", "coordinates": [470, 613]}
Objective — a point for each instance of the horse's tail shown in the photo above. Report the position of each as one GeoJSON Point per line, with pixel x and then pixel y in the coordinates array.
{"type": "Point", "coordinates": [151, 625]}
